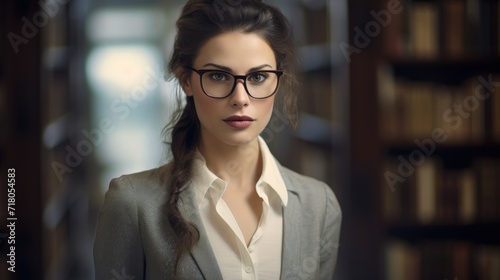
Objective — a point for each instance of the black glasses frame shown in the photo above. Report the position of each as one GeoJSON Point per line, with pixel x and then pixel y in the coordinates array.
{"type": "Point", "coordinates": [200, 72]}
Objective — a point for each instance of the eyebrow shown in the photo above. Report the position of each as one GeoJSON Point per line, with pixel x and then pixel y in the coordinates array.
{"type": "Point", "coordinates": [225, 68]}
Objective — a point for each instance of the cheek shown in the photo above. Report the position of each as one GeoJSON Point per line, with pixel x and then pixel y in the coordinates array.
{"type": "Point", "coordinates": [200, 99]}
{"type": "Point", "coordinates": [202, 106]}
{"type": "Point", "coordinates": [207, 108]}
{"type": "Point", "coordinates": [267, 108]}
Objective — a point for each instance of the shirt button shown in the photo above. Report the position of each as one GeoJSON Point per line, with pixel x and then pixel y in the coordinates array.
{"type": "Point", "coordinates": [249, 269]}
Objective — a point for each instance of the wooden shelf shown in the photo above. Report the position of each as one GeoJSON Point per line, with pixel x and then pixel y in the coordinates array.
{"type": "Point", "coordinates": [465, 150]}
{"type": "Point", "coordinates": [445, 71]}
{"type": "Point", "coordinates": [483, 233]}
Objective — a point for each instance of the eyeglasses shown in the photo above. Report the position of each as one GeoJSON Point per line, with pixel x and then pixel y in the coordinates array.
{"type": "Point", "coordinates": [220, 84]}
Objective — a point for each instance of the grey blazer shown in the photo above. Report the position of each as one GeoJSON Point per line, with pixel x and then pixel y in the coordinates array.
{"type": "Point", "coordinates": [134, 239]}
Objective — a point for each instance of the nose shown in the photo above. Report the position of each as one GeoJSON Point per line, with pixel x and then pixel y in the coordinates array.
{"type": "Point", "coordinates": [239, 98]}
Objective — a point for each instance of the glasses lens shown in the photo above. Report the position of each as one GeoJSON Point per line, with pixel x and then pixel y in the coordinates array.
{"type": "Point", "coordinates": [259, 84]}
{"type": "Point", "coordinates": [262, 84]}
{"type": "Point", "coordinates": [217, 84]}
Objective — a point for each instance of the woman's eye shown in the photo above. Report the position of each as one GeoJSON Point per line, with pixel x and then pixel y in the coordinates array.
{"type": "Point", "coordinates": [258, 77]}
{"type": "Point", "coordinates": [217, 76]}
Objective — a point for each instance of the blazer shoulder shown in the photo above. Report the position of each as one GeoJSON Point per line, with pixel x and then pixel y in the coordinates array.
{"type": "Point", "coordinates": [298, 182]}
{"type": "Point", "coordinates": [141, 186]}
{"type": "Point", "coordinates": [309, 189]}
{"type": "Point", "coordinates": [129, 218]}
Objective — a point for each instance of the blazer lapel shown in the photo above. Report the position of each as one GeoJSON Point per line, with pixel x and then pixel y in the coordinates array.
{"type": "Point", "coordinates": [202, 252]}
{"type": "Point", "coordinates": [291, 230]}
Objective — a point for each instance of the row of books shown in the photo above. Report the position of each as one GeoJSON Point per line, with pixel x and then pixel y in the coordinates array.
{"type": "Point", "coordinates": [452, 260]}
{"type": "Point", "coordinates": [422, 191]}
{"type": "Point", "coordinates": [468, 113]}
{"type": "Point", "coordinates": [450, 29]}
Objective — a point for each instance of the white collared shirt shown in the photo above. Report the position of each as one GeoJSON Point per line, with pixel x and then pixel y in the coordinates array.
{"type": "Point", "coordinates": [262, 258]}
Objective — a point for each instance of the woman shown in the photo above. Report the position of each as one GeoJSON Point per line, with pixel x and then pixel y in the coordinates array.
{"type": "Point", "coordinates": [224, 208]}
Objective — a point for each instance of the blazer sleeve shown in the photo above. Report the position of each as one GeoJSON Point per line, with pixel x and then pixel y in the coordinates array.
{"type": "Point", "coordinates": [118, 252]}
{"type": "Point", "coordinates": [330, 235]}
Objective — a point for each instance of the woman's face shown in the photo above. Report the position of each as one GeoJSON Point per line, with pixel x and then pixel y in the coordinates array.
{"type": "Point", "coordinates": [237, 119]}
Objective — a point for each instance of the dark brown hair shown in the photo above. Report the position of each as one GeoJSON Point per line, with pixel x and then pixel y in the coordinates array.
{"type": "Point", "coordinates": [201, 20]}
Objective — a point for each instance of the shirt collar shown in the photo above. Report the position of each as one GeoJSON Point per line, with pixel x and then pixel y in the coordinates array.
{"type": "Point", "coordinates": [271, 175]}
{"type": "Point", "coordinates": [203, 179]}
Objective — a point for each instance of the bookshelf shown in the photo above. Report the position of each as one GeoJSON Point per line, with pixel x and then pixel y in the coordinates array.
{"type": "Point", "coordinates": [438, 126]}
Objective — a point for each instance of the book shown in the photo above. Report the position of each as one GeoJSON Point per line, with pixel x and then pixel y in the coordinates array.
{"type": "Point", "coordinates": [495, 111]}
{"type": "Point", "coordinates": [467, 202]}
{"type": "Point", "coordinates": [433, 194]}
{"type": "Point", "coordinates": [412, 110]}
{"type": "Point", "coordinates": [423, 30]}
{"type": "Point", "coordinates": [486, 172]}
{"type": "Point", "coordinates": [452, 260]}
{"type": "Point", "coordinates": [394, 40]}
{"type": "Point", "coordinates": [426, 191]}
{"type": "Point", "coordinates": [453, 29]}
{"type": "Point", "coordinates": [449, 29]}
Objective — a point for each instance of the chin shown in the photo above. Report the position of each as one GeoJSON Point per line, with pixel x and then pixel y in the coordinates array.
{"type": "Point", "coordinates": [231, 137]}
{"type": "Point", "coordinates": [237, 140]}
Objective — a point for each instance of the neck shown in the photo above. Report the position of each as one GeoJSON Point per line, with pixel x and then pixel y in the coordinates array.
{"type": "Point", "coordinates": [240, 166]}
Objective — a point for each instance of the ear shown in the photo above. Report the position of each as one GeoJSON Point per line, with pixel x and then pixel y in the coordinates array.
{"type": "Point", "coordinates": [186, 87]}
{"type": "Point", "coordinates": [184, 81]}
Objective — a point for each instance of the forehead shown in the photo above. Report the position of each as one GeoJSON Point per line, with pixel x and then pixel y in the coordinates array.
{"type": "Point", "coordinates": [236, 50]}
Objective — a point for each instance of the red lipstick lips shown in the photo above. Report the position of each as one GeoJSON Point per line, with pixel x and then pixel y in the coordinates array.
{"type": "Point", "coordinates": [239, 121]}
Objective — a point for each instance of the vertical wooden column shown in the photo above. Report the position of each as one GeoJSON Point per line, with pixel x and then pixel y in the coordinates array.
{"type": "Point", "coordinates": [363, 229]}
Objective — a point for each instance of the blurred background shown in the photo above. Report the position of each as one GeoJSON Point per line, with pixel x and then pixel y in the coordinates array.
{"type": "Point", "coordinates": [399, 113]}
